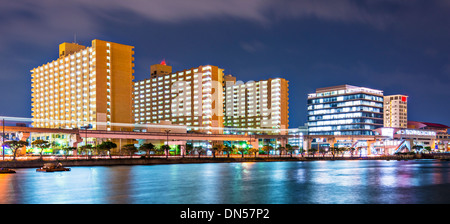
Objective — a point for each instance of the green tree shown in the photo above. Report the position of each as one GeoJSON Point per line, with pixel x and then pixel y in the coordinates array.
{"type": "Point", "coordinates": [242, 150]}
{"type": "Point", "coordinates": [199, 150]}
{"type": "Point", "coordinates": [189, 149]}
{"type": "Point", "coordinates": [67, 149]}
{"type": "Point", "coordinates": [147, 148]}
{"type": "Point", "coordinates": [352, 150]}
{"type": "Point", "coordinates": [417, 148]}
{"type": "Point", "coordinates": [88, 149]}
{"type": "Point", "coordinates": [267, 149]}
{"type": "Point", "coordinates": [166, 148]}
{"type": "Point", "coordinates": [290, 149]}
{"type": "Point", "coordinates": [312, 151]}
{"type": "Point", "coordinates": [228, 150]}
{"type": "Point", "coordinates": [107, 146]}
{"type": "Point", "coordinates": [41, 144]}
{"type": "Point", "coordinates": [14, 146]}
{"type": "Point", "coordinates": [253, 150]}
{"type": "Point", "coordinates": [281, 149]}
{"type": "Point", "coordinates": [130, 148]}
{"type": "Point", "coordinates": [217, 148]}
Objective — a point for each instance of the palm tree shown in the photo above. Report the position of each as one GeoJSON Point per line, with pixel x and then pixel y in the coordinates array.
{"type": "Point", "coordinates": [15, 145]}
{"type": "Point", "coordinates": [147, 147]}
{"type": "Point", "coordinates": [130, 148]}
{"type": "Point", "coordinates": [267, 148]}
{"type": "Point", "coordinates": [166, 148]}
{"type": "Point", "coordinates": [107, 146]}
{"type": "Point", "coordinates": [41, 144]}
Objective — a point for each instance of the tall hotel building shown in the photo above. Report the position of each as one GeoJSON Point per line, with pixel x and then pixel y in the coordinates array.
{"type": "Point", "coordinates": [395, 111]}
{"type": "Point", "coordinates": [345, 110]}
{"type": "Point", "coordinates": [256, 107]}
{"type": "Point", "coordinates": [85, 85]}
{"type": "Point", "coordinates": [192, 97]}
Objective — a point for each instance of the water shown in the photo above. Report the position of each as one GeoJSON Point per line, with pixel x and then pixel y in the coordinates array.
{"type": "Point", "coordinates": [317, 182]}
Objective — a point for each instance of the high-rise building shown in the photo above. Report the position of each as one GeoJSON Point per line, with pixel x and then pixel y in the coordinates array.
{"type": "Point", "coordinates": [85, 85]}
{"type": "Point", "coordinates": [345, 110]}
{"type": "Point", "coordinates": [192, 97]}
{"type": "Point", "coordinates": [256, 107]}
{"type": "Point", "coordinates": [396, 111]}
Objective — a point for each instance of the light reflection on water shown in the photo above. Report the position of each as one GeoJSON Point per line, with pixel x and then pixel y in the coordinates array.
{"type": "Point", "coordinates": [329, 182]}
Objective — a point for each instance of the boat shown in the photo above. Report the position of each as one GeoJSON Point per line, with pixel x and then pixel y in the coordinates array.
{"type": "Point", "coordinates": [6, 170]}
{"type": "Point", "coordinates": [51, 167]}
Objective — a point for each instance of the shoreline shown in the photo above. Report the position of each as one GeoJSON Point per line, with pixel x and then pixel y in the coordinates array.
{"type": "Point", "coordinates": [37, 163]}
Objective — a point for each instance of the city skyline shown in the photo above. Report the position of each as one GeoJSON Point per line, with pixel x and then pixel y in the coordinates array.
{"type": "Point", "coordinates": [393, 46]}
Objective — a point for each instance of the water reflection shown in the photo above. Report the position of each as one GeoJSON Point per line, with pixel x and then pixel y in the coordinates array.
{"type": "Point", "coordinates": [330, 182]}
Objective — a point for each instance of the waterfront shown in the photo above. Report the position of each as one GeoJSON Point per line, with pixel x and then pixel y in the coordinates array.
{"type": "Point", "coordinates": [312, 182]}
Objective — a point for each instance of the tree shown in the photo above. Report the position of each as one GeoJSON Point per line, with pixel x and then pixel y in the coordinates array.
{"type": "Point", "coordinates": [41, 144]}
{"type": "Point", "coordinates": [253, 150]}
{"type": "Point", "coordinates": [267, 149]}
{"type": "Point", "coordinates": [281, 149]}
{"type": "Point", "coordinates": [290, 149]}
{"type": "Point", "coordinates": [107, 146]}
{"type": "Point", "coordinates": [189, 148]}
{"type": "Point", "coordinates": [228, 149]}
{"type": "Point", "coordinates": [147, 147]}
{"type": "Point", "coordinates": [166, 148]}
{"type": "Point", "coordinates": [312, 151]}
{"type": "Point", "coordinates": [199, 150]}
{"type": "Point", "coordinates": [87, 149]}
{"type": "Point", "coordinates": [215, 148]}
{"type": "Point", "coordinates": [417, 148]}
{"type": "Point", "coordinates": [323, 151]}
{"type": "Point", "coordinates": [14, 146]}
{"type": "Point", "coordinates": [130, 148]}
{"type": "Point", "coordinates": [242, 150]}
{"type": "Point", "coordinates": [67, 149]}
{"type": "Point", "coordinates": [352, 150]}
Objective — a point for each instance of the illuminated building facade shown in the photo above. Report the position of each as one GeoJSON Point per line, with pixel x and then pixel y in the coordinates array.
{"type": "Point", "coordinates": [256, 107]}
{"type": "Point", "coordinates": [192, 97]}
{"type": "Point", "coordinates": [85, 85]}
{"type": "Point", "coordinates": [345, 110]}
{"type": "Point", "coordinates": [395, 111]}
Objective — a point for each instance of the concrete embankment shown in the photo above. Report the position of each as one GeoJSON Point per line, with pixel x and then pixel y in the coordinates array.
{"type": "Point", "coordinates": [134, 161]}
{"type": "Point", "coordinates": [177, 160]}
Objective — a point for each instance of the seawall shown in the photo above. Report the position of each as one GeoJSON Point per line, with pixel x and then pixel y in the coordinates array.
{"type": "Point", "coordinates": [36, 163]}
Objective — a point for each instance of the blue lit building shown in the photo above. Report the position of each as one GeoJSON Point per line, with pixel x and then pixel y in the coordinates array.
{"type": "Point", "coordinates": [345, 110]}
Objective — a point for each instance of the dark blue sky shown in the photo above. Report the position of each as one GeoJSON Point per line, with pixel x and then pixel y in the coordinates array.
{"type": "Point", "coordinates": [400, 47]}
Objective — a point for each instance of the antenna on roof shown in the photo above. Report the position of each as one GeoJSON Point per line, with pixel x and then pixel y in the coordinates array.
{"type": "Point", "coordinates": [75, 37]}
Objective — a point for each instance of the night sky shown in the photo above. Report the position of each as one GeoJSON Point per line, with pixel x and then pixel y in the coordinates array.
{"type": "Point", "coordinates": [398, 46]}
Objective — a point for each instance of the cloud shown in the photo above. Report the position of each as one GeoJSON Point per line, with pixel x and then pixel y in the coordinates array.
{"type": "Point", "coordinates": [253, 46]}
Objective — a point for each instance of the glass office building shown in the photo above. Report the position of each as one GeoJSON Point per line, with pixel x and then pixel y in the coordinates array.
{"type": "Point", "coordinates": [345, 110]}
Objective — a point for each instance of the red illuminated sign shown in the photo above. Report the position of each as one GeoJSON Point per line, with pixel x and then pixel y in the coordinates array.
{"type": "Point", "coordinates": [404, 98]}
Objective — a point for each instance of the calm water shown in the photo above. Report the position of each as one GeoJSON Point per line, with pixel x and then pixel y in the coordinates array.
{"type": "Point", "coordinates": [319, 182]}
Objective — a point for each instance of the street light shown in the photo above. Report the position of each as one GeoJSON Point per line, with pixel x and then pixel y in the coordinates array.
{"type": "Point", "coordinates": [167, 142]}
{"type": "Point", "coordinates": [89, 126]}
